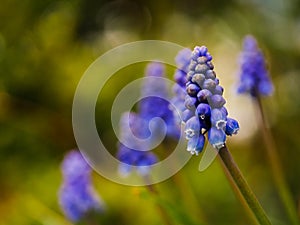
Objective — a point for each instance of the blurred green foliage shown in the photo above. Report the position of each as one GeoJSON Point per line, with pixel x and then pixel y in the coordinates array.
{"type": "Point", "coordinates": [45, 47]}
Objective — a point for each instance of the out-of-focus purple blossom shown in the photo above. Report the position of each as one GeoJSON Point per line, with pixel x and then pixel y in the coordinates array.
{"type": "Point", "coordinates": [204, 110]}
{"type": "Point", "coordinates": [156, 105]}
{"type": "Point", "coordinates": [74, 167]}
{"type": "Point", "coordinates": [133, 131]}
{"type": "Point", "coordinates": [182, 61]}
{"type": "Point", "coordinates": [254, 76]}
{"type": "Point", "coordinates": [130, 158]}
{"type": "Point", "coordinates": [77, 197]}
{"type": "Point", "coordinates": [134, 152]}
{"type": "Point", "coordinates": [136, 138]}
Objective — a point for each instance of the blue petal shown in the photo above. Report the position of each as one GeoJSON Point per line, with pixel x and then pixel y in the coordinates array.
{"type": "Point", "coordinates": [218, 90]}
{"type": "Point", "coordinates": [218, 118]}
{"type": "Point", "coordinates": [192, 90]}
{"type": "Point", "coordinates": [232, 126]}
{"type": "Point", "coordinates": [195, 145]}
{"type": "Point", "coordinates": [209, 84]}
{"type": "Point", "coordinates": [190, 102]}
{"type": "Point", "coordinates": [203, 110]}
{"type": "Point", "coordinates": [203, 95]}
{"type": "Point", "coordinates": [192, 127]}
{"type": "Point", "coordinates": [216, 101]}
{"type": "Point", "coordinates": [198, 78]}
{"type": "Point", "coordinates": [216, 137]}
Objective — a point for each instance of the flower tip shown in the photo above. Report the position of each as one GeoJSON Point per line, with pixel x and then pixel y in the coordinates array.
{"type": "Point", "coordinates": [250, 43]}
{"type": "Point", "coordinates": [155, 69]}
{"type": "Point", "coordinates": [74, 165]}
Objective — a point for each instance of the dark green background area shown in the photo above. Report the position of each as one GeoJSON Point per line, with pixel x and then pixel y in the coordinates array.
{"type": "Point", "coordinates": [45, 47]}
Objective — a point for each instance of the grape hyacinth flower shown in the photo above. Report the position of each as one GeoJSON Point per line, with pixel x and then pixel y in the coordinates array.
{"type": "Point", "coordinates": [156, 104]}
{"type": "Point", "coordinates": [254, 77]}
{"type": "Point", "coordinates": [77, 197]}
{"type": "Point", "coordinates": [136, 154]}
{"type": "Point", "coordinates": [204, 105]}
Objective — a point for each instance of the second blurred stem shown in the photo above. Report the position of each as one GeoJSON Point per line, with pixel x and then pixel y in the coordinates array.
{"type": "Point", "coordinates": [162, 212]}
{"type": "Point", "coordinates": [276, 167]}
{"type": "Point", "coordinates": [187, 194]}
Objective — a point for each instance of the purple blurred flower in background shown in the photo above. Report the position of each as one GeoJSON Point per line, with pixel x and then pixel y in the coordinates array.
{"type": "Point", "coordinates": [157, 105]}
{"type": "Point", "coordinates": [254, 77]}
{"type": "Point", "coordinates": [182, 61]}
{"type": "Point", "coordinates": [77, 197]}
{"type": "Point", "coordinates": [133, 126]}
{"type": "Point", "coordinates": [136, 138]}
{"type": "Point", "coordinates": [204, 110]}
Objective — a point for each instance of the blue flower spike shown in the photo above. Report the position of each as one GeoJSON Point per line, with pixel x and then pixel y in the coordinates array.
{"type": "Point", "coordinates": [254, 76]}
{"type": "Point", "coordinates": [204, 98]}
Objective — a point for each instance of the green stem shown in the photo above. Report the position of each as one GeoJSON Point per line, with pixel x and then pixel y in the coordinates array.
{"type": "Point", "coordinates": [243, 187]}
{"type": "Point", "coordinates": [240, 197]}
{"type": "Point", "coordinates": [276, 167]}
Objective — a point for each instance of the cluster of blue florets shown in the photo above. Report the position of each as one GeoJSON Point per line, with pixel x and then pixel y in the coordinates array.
{"type": "Point", "coordinates": [204, 110]}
